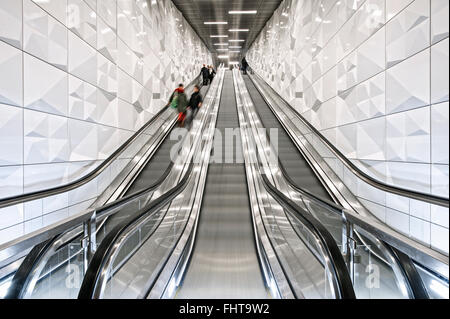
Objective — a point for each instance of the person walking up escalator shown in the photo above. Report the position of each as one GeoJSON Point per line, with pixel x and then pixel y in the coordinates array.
{"type": "Point", "coordinates": [205, 73]}
{"type": "Point", "coordinates": [178, 101]}
{"type": "Point", "coordinates": [244, 65]}
{"type": "Point", "coordinates": [195, 103]}
{"type": "Point", "coordinates": [212, 73]}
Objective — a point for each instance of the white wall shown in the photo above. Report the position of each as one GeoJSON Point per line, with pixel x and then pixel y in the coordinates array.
{"type": "Point", "coordinates": [373, 77]}
{"type": "Point", "coordinates": [77, 78]}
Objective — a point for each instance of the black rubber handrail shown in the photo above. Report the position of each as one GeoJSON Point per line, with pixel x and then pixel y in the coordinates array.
{"type": "Point", "coordinates": [21, 277]}
{"type": "Point", "coordinates": [416, 285]}
{"type": "Point", "coordinates": [340, 270]}
{"type": "Point", "coordinates": [339, 267]}
{"type": "Point", "coordinates": [429, 198]}
{"type": "Point", "coordinates": [405, 263]}
{"type": "Point", "coordinates": [100, 257]}
{"type": "Point", "coordinates": [318, 199]}
{"type": "Point", "coordinates": [14, 200]}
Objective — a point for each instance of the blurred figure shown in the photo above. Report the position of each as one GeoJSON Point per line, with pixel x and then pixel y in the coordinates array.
{"type": "Point", "coordinates": [212, 74]}
{"type": "Point", "coordinates": [178, 101]}
{"type": "Point", "coordinates": [244, 65]}
{"type": "Point", "coordinates": [205, 73]}
{"type": "Point", "coordinates": [195, 103]}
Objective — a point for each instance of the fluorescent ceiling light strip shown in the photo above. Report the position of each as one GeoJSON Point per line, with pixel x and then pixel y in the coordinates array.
{"type": "Point", "coordinates": [219, 36]}
{"type": "Point", "coordinates": [216, 22]}
{"type": "Point", "coordinates": [235, 47]}
{"type": "Point", "coordinates": [239, 30]}
{"type": "Point", "coordinates": [243, 12]}
{"type": "Point", "coordinates": [235, 51]}
{"type": "Point", "coordinates": [220, 43]}
{"type": "Point", "coordinates": [236, 40]}
{"type": "Point", "coordinates": [224, 57]}
{"type": "Point", "coordinates": [222, 49]}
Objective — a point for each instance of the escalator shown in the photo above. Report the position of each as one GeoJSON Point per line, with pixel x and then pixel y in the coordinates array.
{"type": "Point", "coordinates": [224, 263]}
{"type": "Point", "coordinates": [199, 237]}
{"type": "Point", "coordinates": [397, 274]}
{"type": "Point", "coordinates": [219, 257]}
{"type": "Point", "coordinates": [153, 172]}
{"type": "Point", "coordinates": [298, 172]}
{"type": "Point", "coordinates": [43, 274]}
{"type": "Point", "coordinates": [295, 165]}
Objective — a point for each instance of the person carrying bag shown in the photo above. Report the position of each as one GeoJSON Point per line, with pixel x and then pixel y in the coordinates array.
{"type": "Point", "coordinates": [179, 101]}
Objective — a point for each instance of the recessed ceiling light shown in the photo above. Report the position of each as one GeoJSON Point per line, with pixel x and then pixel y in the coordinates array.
{"type": "Point", "coordinates": [219, 36]}
{"type": "Point", "coordinates": [243, 12]}
{"type": "Point", "coordinates": [236, 40]}
{"type": "Point", "coordinates": [238, 30]}
{"type": "Point", "coordinates": [216, 22]}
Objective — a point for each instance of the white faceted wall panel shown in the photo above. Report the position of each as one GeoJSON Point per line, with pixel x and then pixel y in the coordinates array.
{"type": "Point", "coordinates": [372, 76]}
{"type": "Point", "coordinates": [44, 36]}
{"type": "Point", "coordinates": [11, 22]}
{"type": "Point", "coordinates": [394, 7]}
{"type": "Point", "coordinates": [11, 135]}
{"type": "Point", "coordinates": [408, 83]}
{"type": "Point", "coordinates": [106, 40]}
{"type": "Point", "coordinates": [77, 79]}
{"type": "Point", "coordinates": [408, 136]}
{"type": "Point", "coordinates": [83, 21]}
{"type": "Point", "coordinates": [57, 8]}
{"type": "Point", "coordinates": [440, 71]}
{"type": "Point", "coordinates": [439, 20]}
{"type": "Point", "coordinates": [82, 59]}
{"type": "Point", "coordinates": [409, 32]}
{"type": "Point", "coordinates": [45, 86]}
{"type": "Point", "coordinates": [11, 69]}
{"type": "Point", "coordinates": [12, 181]}
{"type": "Point", "coordinates": [440, 133]}
{"type": "Point", "coordinates": [45, 138]}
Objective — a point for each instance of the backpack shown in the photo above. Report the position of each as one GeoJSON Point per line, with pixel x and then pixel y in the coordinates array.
{"type": "Point", "coordinates": [182, 102]}
{"type": "Point", "coordinates": [174, 103]}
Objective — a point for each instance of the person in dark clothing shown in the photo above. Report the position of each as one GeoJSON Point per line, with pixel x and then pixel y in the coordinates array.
{"type": "Point", "coordinates": [212, 74]}
{"type": "Point", "coordinates": [194, 104]}
{"type": "Point", "coordinates": [205, 73]}
{"type": "Point", "coordinates": [244, 65]}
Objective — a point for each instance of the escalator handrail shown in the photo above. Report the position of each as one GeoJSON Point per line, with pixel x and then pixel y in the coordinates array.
{"type": "Point", "coordinates": [405, 262]}
{"type": "Point", "coordinates": [429, 198]}
{"type": "Point", "coordinates": [343, 281]}
{"type": "Point", "coordinates": [99, 259]}
{"type": "Point", "coordinates": [21, 277]}
{"type": "Point", "coordinates": [14, 200]}
{"type": "Point", "coordinates": [412, 276]}
{"type": "Point", "coordinates": [339, 267]}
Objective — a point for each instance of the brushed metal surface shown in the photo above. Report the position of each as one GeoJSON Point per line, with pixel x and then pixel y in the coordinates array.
{"type": "Point", "coordinates": [224, 263]}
